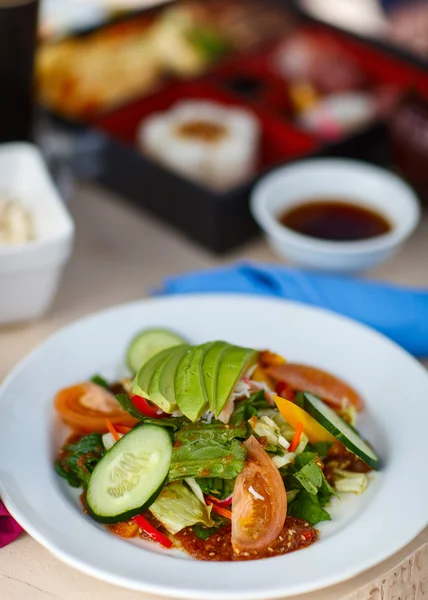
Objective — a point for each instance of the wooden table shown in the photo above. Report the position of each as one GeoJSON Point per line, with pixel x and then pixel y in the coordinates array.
{"type": "Point", "coordinates": [120, 255]}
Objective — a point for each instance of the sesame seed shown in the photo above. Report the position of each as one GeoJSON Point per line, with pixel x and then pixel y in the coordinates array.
{"type": "Point", "coordinates": [211, 554]}
{"type": "Point", "coordinates": [270, 549]}
{"type": "Point", "coordinates": [289, 545]}
{"type": "Point", "coordinates": [236, 551]}
{"type": "Point", "coordinates": [281, 539]}
{"type": "Point", "coordinates": [306, 524]}
{"type": "Point", "coordinates": [246, 554]}
{"type": "Point", "coordinates": [302, 537]}
{"type": "Point", "coordinates": [292, 531]}
{"type": "Point", "coordinates": [219, 539]}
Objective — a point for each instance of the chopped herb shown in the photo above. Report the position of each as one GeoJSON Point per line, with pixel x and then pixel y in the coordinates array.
{"type": "Point", "coordinates": [245, 409]}
{"type": "Point", "coordinates": [78, 459]}
{"type": "Point", "coordinates": [214, 486]}
{"type": "Point", "coordinates": [320, 448]}
{"type": "Point", "coordinates": [100, 381]}
{"type": "Point", "coordinates": [203, 533]}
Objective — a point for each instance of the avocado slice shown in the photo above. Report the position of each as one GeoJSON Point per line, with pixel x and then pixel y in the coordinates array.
{"type": "Point", "coordinates": [210, 368]}
{"type": "Point", "coordinates": [189, 385]}
{"type": "Point", "coordinates": [141, 383]}
{"type": "Point", "coordinates": [161, 387]}
{"type": "Point", "coordinates": [234, 362]}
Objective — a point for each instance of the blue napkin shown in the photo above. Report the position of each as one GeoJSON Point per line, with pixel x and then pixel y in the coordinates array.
{"type": "Point", "coordinates": [399, 313]}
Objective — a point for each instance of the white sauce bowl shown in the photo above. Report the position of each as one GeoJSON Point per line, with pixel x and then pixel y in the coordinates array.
{"type": "Point", "coordinates": [363, 184]}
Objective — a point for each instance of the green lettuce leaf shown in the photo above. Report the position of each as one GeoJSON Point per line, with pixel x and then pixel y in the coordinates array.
{"type": "Point", "coordinates": [306, 506]}
{"type": "Point", "coordinates": [78, 459]}
{"type": "Point", "coordinates": [217, 432]}
{"type": "Point", "coordinates": [177, 507]}
{"type": "Point", "coordinates": [206, 458]}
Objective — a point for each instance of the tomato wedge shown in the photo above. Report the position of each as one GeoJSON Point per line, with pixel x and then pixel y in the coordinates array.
{"type": "Point", "coordinates": [310, 379]}
{"type": "Point", "coordinates": [85, 407]}
{"type": "Point", "coordinates": [259, 502]}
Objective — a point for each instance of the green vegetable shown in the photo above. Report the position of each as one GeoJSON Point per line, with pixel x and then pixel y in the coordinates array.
{"type": "Point", "coordinates": [100, 381]}
{"type": "Point", "coordinates": [310, 476]}
{"type": "Point", "coordinates": [340, 429]}
{"type": "Point", "coordinates": [245, 409]}
{"type": "Point", "coordinates": [79, 459]}
{"type": "Point", "coordinates": [207, 458]}
{"type": "Point", "coordinates": [177, 507]}
{"type": "Point", "coordinates": [347, 481]}
{"type": "Point", "coordinates": [285, 428]}
{"type": "Point", "coordinates": [267, 428]}
{"type": "Point", "coordinates": [161, 387]}
{"type": "Point", "coordinates": [130, 475]}
{"type": "Point", "coordinates": [299, 399]}
{"type": "Point", "coordinates": [217, 432]}
{"type": "Point", "coordinates": [214, 486]}
{"type": "Point", "coordinates": [291, 495]}
{"type": "Point", "coordinates": [190, 392]}
{"type": "Point", "coordinates": [141, 383]}
{"type": "Point", "coordinates": [308, 488]}
{"type": "Point", "coordinates": [234, 363]}
{"type": "Point", "coordinates": [307, 507]}
{"type": "Point", "coordinates": [203, 533]}
{"type": "Point", "coordinates": [210, 367]}
{"type": "Point", "coordinates": [320, 448]}
{"type": "Point", "coordinates": [147, 344]}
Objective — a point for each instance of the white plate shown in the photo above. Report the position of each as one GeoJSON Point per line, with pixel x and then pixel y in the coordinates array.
{"type": "Point", "coordinates": [364, 531]}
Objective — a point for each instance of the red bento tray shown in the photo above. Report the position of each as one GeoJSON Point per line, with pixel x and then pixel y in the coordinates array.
{"type": "Point", "coordinates": [380, 69]}
{"type": "Point", "coordinates": [280, 142]}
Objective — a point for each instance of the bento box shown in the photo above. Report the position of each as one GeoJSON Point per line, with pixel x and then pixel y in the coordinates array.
{"type": "Point", "coordinates": [195, 102]}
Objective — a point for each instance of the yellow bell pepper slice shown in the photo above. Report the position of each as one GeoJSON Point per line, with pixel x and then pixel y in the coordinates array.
{"type": "Point", "coordinates": [260, 376]}
{"type": "Point", "coordinates": [293, 414]}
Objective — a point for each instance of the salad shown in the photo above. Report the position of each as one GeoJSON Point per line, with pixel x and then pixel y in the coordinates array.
{"type": "Point", "coordinates": [224, 452]}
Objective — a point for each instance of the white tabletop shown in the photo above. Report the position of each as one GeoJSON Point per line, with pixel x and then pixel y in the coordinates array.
{"type": "Point", "coordinates": [120, 255]}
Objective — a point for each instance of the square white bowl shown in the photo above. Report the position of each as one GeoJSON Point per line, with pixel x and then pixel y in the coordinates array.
{"type": "Point", "coordinates": [30, 273]}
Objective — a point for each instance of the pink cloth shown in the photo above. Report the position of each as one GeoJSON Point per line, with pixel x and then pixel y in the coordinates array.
{"type": "Point", "coordinates": [9, 528]}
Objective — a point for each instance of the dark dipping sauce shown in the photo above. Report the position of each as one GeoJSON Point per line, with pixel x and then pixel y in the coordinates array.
{"type": "Point", "coordinates": [335, 220]}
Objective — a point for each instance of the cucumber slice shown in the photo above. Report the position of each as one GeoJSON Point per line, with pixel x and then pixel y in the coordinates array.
{"type": "Point", "coordinates": [148, 343]}
{"type": "Point", "coordinates": [130, 476]}
{"type": "Point", "coordinates": [334, 424]}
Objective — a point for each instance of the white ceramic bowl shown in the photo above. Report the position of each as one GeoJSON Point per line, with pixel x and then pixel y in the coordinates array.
{"type": "Point", "coordinates": [30, 273]}
{"type": "Point", "coordinates": [364, 184]}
